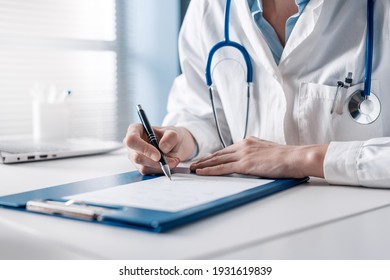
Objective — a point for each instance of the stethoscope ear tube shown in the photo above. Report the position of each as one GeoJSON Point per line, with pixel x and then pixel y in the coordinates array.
{"type": "Point", "coordinates": [228, 43]}
{"type": "Point", "coordinates": [249, 78]}
{"type": "Point", "coordinates": [216, 117]}
{"type": "Point", "coordinates": [221, 139]}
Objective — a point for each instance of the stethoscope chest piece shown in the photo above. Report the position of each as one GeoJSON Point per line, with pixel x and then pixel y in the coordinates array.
{"type": "Point", "coordinates": [364, 110]}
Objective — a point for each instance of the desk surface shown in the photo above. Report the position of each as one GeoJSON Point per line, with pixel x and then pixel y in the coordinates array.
{"type": "Point", "coordinates": [314, 215]}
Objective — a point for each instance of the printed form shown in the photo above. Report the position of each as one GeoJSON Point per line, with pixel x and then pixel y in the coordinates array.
{"type": "Point", "coordinates": [183, 192]}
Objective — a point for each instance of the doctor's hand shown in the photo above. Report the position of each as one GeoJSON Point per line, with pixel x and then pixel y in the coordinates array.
{"type": "Point", "coordinates": [177, 144]}
{"type": "Point", "coordinates": [253, 156]}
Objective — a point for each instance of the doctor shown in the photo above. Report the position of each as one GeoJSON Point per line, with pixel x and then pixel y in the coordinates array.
{"type": "Point", "coordinates": [309, 61]}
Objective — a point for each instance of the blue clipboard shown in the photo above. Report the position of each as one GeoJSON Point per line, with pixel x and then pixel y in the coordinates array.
{"type": "Point", "coordinates": [50, 201]}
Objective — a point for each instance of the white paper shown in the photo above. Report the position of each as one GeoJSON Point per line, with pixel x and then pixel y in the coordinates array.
{"type": "Point", "coordinates": [184, 191]}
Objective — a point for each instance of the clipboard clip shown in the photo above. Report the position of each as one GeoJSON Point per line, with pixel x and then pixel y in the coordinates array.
{"type": "Point", "coordinates": [70, 208]}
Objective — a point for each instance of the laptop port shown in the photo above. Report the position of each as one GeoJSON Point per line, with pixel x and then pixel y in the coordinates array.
{"type": "Point", "coordinates": [43, 156]}
{"type": "Point", "coordinates": [30, 157]}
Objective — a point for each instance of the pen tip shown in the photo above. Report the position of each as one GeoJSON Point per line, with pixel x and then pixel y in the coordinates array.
{"type": "Point", "coordinates": [166, 171]}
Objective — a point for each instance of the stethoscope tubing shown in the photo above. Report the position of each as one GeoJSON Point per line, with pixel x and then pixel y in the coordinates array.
{"type": "Point", "coordinates": [228, 43]}
{"type": "Point", "coordinates": [369, 48]}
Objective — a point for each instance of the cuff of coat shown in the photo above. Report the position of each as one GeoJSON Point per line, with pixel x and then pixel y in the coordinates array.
{"type": "Point", "coordinates": [340, 164]}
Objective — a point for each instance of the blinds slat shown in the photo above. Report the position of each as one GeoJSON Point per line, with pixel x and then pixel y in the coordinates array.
{"type": "Point", "coordinates": [70, 44]}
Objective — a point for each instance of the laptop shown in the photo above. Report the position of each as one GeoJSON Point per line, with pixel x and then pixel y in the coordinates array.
{"type": "Point", "coordinates": [26, 150]}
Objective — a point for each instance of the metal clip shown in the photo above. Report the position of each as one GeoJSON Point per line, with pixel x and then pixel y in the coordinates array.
{"type": "Point", "coordinates": [70, 208]}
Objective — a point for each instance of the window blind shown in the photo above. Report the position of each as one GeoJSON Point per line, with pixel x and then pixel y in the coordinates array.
{"type": "Point", "coordinates": [71, 44]}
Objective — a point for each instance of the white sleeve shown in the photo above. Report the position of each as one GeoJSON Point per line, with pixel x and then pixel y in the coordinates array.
{"type": "Point", "coordinates": [363, 163]}
{"type": "Point", "coordinates": [189, 104]}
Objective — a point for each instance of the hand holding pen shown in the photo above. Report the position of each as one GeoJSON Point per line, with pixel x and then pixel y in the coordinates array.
{"type": "Point", "coordinates": [176, 143]}
{"type": "Point", "coordinates": [153, 140]}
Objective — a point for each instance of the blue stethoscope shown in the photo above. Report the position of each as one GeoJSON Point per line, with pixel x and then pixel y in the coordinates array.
{"type": "Point", "coordinates": [364, 106]}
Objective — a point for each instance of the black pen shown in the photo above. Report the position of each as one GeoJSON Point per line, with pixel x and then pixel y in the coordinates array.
{"type": "Point", "coordinates": [153, 140]}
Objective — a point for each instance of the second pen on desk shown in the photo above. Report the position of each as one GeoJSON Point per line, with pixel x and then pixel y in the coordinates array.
{"type": "Point", "coordinates": [153, 140]}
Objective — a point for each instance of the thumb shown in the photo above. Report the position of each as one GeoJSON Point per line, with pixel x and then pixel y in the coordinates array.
{"type": "Point", "coordinates": [169, 142]}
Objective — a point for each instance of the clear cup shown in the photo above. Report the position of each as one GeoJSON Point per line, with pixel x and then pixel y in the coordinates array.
{"type": "Point", "coordinates": [50, 121]}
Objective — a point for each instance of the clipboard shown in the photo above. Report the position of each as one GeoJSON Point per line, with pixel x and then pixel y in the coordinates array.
{"type": "Point", "coordinates": [50, 201]}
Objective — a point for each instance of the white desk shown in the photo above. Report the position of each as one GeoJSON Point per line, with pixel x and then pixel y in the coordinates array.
{"type": "Point", "coordinates": [297, 218]}
{"type": "Point", "coordinates": [364, 236]}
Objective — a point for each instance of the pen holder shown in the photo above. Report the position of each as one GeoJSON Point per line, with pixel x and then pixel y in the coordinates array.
{"type": "Point", "coordinates": [50, 121]}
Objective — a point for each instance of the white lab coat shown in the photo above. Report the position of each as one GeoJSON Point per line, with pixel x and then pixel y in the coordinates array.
{"type": "Point", "coordinates": [291, 102]}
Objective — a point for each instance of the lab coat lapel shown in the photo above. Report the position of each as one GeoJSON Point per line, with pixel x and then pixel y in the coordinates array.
{"type": "Point", "coordinates": [257, 42]}
{"type": "Point", "coordinates": [303, 28]}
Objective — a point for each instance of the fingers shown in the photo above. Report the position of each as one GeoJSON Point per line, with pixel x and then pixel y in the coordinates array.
{"type": "Point", "coordinates": [176, 142]}
{"type": "Point", "coordinates": [227, 154]}
{"type": "Point", "coordinates": [146, 165]}
{"type": "Point", "coordinates": [168, 141]}
{"type": "Point", "coordinates": [221, 169]}
{"type": "Point", "coordinates": [235, 152]}
{"type": "Point", "coordinates": [215, 162]}
{"type": "Point", "coordinates": [135, 140]}
{"type": "Point", "coordinates": [145, 156]}
{"type": "Point", "coordinates": [228, 160]}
